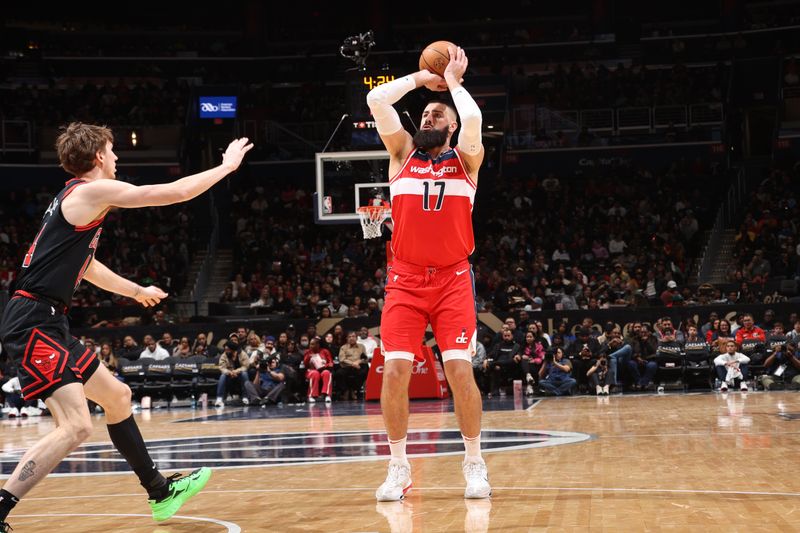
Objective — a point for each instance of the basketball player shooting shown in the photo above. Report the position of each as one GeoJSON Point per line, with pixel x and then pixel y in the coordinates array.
{"type": "Point", "coordinates": [432, 188]}
{"type": "Point", "coordinates": [53, 365]}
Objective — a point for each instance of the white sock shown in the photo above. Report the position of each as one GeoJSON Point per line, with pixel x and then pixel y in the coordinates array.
{"type": "Point", "coordinates": [472, 446]}
{"type": "Point", "coordinates": [398, 449]}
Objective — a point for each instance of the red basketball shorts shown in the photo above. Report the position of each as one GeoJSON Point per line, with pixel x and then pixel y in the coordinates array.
{"type": "Point", "coordinates": [417, 296]}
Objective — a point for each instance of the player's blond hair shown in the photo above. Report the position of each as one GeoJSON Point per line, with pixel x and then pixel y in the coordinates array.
{"type": "Point", "coordinates": [78, 144]}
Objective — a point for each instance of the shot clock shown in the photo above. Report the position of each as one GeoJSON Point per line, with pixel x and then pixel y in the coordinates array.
{"type": "Point", "coordinates": [359, 82]}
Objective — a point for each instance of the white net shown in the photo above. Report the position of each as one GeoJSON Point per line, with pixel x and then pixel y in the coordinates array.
{"type": "Point", "coordinates": [372, 218]}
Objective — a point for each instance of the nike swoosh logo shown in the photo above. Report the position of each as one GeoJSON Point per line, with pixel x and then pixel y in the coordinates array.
{"type": "Point", "coordinates": [459, 272]}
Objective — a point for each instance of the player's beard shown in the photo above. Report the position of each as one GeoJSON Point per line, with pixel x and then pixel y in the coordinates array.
{"type": "Point", "coordinates": [432, 138]}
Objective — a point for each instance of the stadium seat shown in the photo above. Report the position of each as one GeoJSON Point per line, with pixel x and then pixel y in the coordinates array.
{"type": "Point", "coordinates": [186, 376]}
{"type": "Point", "coordinates": [670, 361]}
{"type": "Point", "coordinates": [158, 379]}
{"type": "Point", "coordinates": [133, 372]}
{"type": "Point", "coordinates": [209, 375]}
{"type": "Point", "coordinates": [757, 352]}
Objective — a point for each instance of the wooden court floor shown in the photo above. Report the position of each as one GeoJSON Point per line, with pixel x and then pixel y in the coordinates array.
{"type": "Point", "coordinates": [623, 463]}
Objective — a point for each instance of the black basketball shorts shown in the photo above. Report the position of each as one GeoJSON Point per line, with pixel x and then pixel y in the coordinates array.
{"type": "Point", "coordinates": [35, 335]}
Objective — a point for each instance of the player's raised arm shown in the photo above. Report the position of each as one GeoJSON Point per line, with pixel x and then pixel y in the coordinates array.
{"type": "Point", "coordinates": [470, 143]}
{"type": "Point", "coordinates": [112, 193]}
{"type": "Point", "coordinates": [380, 100]}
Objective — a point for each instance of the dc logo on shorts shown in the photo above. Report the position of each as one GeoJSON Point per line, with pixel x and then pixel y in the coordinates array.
{"type": "Point", "coordinates": [462, 339]}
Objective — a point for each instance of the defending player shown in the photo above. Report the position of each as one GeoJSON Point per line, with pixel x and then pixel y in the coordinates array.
{"type": "Point", "coordinates": [53, 365]}
{"type": "Point", "coordinates": [433, 189]}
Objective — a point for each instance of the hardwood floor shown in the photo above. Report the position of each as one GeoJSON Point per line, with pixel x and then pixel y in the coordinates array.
{"type": "Point", "coordinates": [622, 463]}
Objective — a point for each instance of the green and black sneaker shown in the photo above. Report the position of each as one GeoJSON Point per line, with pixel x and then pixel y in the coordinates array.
{"type": "Point", "coordinates": [180, 490]}
{"type": "Point", "coordinates": [5, 527]}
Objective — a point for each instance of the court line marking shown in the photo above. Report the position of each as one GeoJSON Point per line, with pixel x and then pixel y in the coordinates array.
{"type": "Point", "coordinates": [231, 527]}
{"type": "Point", "coordinates": [200, 449]}
{"type": "Point", "coordinates": [566, 438]}
{"type": "Point", "coordinates": [537, 402]}
{"type": "Point", "coordinates": [459, 488]}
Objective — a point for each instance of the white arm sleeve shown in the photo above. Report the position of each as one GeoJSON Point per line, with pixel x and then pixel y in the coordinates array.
{"type": "Point", "coordinates": [469, 139]}
{"type": "Point", "coordinates": [380, 100]}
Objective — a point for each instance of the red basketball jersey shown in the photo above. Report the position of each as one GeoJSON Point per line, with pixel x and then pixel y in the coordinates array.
{"type": "Point", "coordinates": [432, 210]}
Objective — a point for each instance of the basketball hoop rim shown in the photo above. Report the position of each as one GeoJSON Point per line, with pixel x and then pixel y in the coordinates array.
{"type": "Point", "coordinates": [374, 212]}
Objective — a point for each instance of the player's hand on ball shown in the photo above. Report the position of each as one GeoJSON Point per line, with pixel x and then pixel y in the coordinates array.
{"type": "Point", "coordinates": [458, 64]}
{"type": "Point", "coordinates": [149, 296]}
{"type": "Point", "coordinates": [233, 156]}
{"type": "Point", "coordinates": [432, 81]}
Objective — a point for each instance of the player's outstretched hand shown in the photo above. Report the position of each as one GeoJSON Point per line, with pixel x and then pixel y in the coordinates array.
{"type": "Point", "coordinates": [150, 296]}
{"type": "Point", "coordinates": [457, 65]}
{"type": "Point", "coordinates": [233, 156]}
{"type": "Point", "coordinates": [432, 81]}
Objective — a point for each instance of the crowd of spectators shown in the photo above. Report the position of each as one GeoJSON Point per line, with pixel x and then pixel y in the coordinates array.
{"type": "Point", "coordinates": [601, 359]}
{"type": "Point", "coordinates": [767, 245]}
{"type": "Point", "coordinates": [286, 366]}
{"type": "Point", "coordinates": [541, 244]}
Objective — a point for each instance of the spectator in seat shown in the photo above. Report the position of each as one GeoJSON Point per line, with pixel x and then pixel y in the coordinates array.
{"type": "Point", "coordinates": [794, 335]}
{"type": "Point", "coordinates": [168, 342]}
{"type": "Point", "coordinates": [666, 332]}
{"type": "Point", "coordinates": [713, 318]}
{"type": "Point", "coordinates": [282, 344]}
{"type": "Point", "coordinates": [130, 350]}
{"type": "Point", "coordinates": [643, 367]}
{"type": "Point", "coordinates": [253, 345]}
{"type": "Point", "coordinates": [269, 347]}
{"type": "Point", "coordinates": [782, 368]}
{"type": "Point", "coordinates": [731, 366]}
{"type": "Point", "coordinates": [618, 353]}
{"type": "Point", "coordinates": [353, 367]}
{"type": "Point", "coordinates": [599, 376]}
{"type": "Point", "coordinates": [183, 349]}
{"type": "Point", "coordinates": [153, 350]}
{"type": "Point", "coordinates": [294, 370]}
{"type": "Point", "coordinates": [268, 384]}
{"type": "Point", "coordinates": [718, 339]}
{"type": "Point", "coordinates": [241, 335]}
{"type": "Point", "coordinates": [504, 362]}
{"type": "Point", "coordinates": [769, 320]}
{"type": "Point", "coordinates": [108, 358]}
{"type": "Point", "coordinates": [202, 341]}
{"type": "Point", "coordinates": [511, 324]}
{"type": "Point", "coordinates": [264, 299]}
{"type": "Point", "coordinates": [668, 296]}
{"type": "Point", "coordinates": [319, 367]}
{"type": "Point", "coordinates": [582, 353]}
{"type": "Point", "coordinates": [532, 357]}
{"type": "Point", "coordinates": [554, 375]}
{"type": "Point", "coordinates": [749, 331]}
{"type": "Point", "coordinates": [337, 308]}
{"type": "Point", "coordinates": [373, 310]}
{"type": "Point", "coordinates": [368, 341]}
{"type": "Point", "coordinates": [233, 365]}
{"type": "Point", "coordinates": [696, 349]}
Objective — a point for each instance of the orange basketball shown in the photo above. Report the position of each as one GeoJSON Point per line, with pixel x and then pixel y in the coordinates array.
{"type": "Point", "coordinates": [435, 57]}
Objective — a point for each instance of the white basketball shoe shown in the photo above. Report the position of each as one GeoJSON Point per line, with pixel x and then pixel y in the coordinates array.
{"type": "Point", "coordinates": [477, 478]}
{"type": "Point", "coordinates": [398, 482]}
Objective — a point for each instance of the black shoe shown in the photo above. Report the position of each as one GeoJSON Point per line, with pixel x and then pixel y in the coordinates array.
{"type": "Point", "coordinates": [5, 527]}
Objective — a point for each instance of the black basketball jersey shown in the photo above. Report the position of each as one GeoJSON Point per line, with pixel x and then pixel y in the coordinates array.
{"type": "Point", "coordinates": [60, 253]}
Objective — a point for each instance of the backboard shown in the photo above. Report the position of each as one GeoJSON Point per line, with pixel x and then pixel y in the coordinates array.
{"type": "Point", "coordinates": [347, 180]}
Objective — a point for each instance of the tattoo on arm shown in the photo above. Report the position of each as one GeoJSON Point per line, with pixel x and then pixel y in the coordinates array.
{"type": "Point", "coordinates": [27, 470]}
